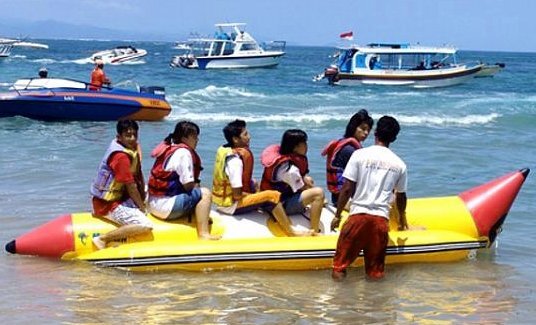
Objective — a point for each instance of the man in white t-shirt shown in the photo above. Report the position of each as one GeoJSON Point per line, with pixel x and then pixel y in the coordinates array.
{"type": "Point", "coordinates": [374, 176]}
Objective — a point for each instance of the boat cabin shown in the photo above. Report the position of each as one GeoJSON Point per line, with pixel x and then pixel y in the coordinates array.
{"type": "Point", "coordinates": [380, 56]}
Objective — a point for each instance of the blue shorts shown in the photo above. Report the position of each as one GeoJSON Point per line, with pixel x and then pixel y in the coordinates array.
{"type": "Point", "coordinates": [293, 204]}
{"type": "Point", "coordinates": [185, 204]}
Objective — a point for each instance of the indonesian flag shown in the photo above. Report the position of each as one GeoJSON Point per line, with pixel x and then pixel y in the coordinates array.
{"type": "Point", "coordinates": [347, 35]}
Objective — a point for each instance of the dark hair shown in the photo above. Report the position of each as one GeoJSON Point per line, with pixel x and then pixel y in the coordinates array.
{"type": "Point", "coordinates": [183, 129]}
{"type": "Point", "coordinates": [124, 125]}
{"type": "Point", "coordinates": [43, 73]}
{"type": "Point", "coordinates": [233, 129]}
{"type": "Point", "coordinates": [292, 138]}
{"type": "Point", "coordinates": [357, 119]}
{"type": "Point", "coordinates": [387, 129]}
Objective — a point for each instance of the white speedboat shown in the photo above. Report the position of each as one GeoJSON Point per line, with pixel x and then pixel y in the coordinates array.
{"type": "Point", "coordinates": [231, 47]}
{"type": "Point", "coordinates": [399, 65]}
{"type": "Point", "coordinates": [120, 54]}
{"type": "Point", "coordinates": [7, 44]}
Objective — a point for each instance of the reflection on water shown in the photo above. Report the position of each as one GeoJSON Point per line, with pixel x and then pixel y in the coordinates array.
{"type": "Point", "coordinates": [78, 293]}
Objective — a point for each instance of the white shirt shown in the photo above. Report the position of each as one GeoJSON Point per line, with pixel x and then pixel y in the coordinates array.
{"type": "Point", "coordinates": [377, 171]}
{"type": "Point", "coordinates": [182, 163]}
{"type": "Point", "coordinates": [290, 176]}
{"type": "Point", "coordinates": [234, 167]}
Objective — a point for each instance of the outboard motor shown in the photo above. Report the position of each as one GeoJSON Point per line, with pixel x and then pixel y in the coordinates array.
{"type": "Point", "coordinates": [332, 74]}
{"type": "Point", "coordinates": [156, 90]}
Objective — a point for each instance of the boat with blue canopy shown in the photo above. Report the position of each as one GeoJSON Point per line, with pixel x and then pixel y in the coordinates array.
{"type": "Point", "coordinates": [399, 64]}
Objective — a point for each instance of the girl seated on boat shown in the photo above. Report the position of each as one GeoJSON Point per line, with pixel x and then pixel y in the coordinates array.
{"type": "Point", "coordinates": [174, 190]}
{"type": "Point", "coordinates": [285, 170]}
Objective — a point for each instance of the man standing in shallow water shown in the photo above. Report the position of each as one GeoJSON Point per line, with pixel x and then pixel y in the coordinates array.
{"type": "Point", "coordinates": [373, 175]}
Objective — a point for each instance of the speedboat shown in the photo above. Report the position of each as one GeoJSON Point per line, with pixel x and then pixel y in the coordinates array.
{"type": "Point", "coordinates": [120, 54]}
{"type": "Point", "coordinates": [7, 44]}
{"type": "Point", "coordinates": [489, 70]}
{"type": "Point", "coordinates": [399, 64]}
{"type": "Point", "coordinates": [446, 229]}
{"type": "Point", "coordinates": [66, 99]}
{"type": "Point", "coordinates": [231, 47]}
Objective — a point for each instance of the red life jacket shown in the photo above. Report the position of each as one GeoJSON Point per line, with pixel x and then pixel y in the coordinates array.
{"type": "Point", "coordinates": [271, 160]}
{"type": "Point", "coordinates": [167, 183]}
{"type": "Point", "coordinates": [334, 177]}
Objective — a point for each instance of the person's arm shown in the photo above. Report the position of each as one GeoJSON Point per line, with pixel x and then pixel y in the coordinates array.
{"type": "Point", "coordinates": [401, 201]}
{"type": "Point", "coordinates": [234, 167]}
{"type": "Point", "coordinates": [290, 174]}
{"type": "Point", "coordinates": [347, 190]}
{"type": "Point", "coordinates": [135, 195]}
{"type": "Point", "coordinates": [120, 165]}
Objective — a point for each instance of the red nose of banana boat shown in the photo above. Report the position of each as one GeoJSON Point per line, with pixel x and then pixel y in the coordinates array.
{"type": "Point", "coordinates": [450, 228]}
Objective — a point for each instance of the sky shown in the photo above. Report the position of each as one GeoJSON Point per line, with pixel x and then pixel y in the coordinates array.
{"type": "Point", "coordinates": [488, 25]}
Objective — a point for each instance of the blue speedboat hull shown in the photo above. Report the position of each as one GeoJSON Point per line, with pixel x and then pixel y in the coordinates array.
{"type": "Point", "coordinates": [83, 105]}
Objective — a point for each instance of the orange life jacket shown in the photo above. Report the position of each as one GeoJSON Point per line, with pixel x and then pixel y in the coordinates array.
{"type": "Point", "coordinates": [167, 183]}
{"type": "Point", "coordinates": [334, 177]}
{"type": "Point", "coordinates": [222, 191]}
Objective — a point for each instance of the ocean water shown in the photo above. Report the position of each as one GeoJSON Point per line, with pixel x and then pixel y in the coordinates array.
{"type": "Point", "coordinates": [452, 139]}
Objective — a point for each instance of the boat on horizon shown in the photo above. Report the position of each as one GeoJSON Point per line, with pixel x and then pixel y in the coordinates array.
{"type": "Point", "coordinates": [230, 48]}
{"type": "Point", "coordinates": [120, 54]}
{"type": "Point", "coordinates": [452, 228]}
{"type": "Point", "coordinates": [56, 99]}
{"type": "Point", "coordinates": [399, 64]}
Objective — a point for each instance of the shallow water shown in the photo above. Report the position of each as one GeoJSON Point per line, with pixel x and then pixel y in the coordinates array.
{"type": "Point", "coordinates": [452, 139]}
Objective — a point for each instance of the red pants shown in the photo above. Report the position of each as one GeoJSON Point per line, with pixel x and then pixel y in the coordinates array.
{"type": "Point", "coordinates": [363, 232]}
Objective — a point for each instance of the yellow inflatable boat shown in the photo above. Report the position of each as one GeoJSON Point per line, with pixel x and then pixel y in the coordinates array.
{"type": "Point", "coordinates": [454, 227]}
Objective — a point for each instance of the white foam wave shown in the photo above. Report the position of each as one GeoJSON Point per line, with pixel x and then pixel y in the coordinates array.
{"type": "Point", "coordinates": [436, 120]}
{"type": "Point", "coordinates": [214, 92]}
{"type": "Point", "coordinates": [320, 119]}
{"type": "Point", "coordinates": [44, 61]}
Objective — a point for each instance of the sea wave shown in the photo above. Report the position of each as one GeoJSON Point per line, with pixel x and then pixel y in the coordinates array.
{"type": "Point", "coordinates": [321, 119]}
{"type": "Point", "coordinates": [214, 92]}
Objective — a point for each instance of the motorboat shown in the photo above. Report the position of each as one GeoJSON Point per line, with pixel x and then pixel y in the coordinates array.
{"type": "Point", "coordinates": [399, 64]}
{"type": "Point", "coordinates": [231, 47]}
{"type": "Point", "coordinates": [446, 229]}
{"type": "Point", "coordinates": [7, 44]}
{"type": "Point", "coordinates": [65, 99]}
{"type": "Point", "coordinates": [489, 70]}
{"type": "Point", "coordinates": [120, 54]}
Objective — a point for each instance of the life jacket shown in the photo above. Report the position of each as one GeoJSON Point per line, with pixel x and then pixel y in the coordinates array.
{"type": "Point", "coordinates": [271, 159]}
{"type": "Point", "coordinates": [105, 186]}
{"type": "Point", "coordinates": [334, 177]}
{"type": "Point", "coordinates": [222, 192]}
{"type": "Point", "coordinates": [167, 183]}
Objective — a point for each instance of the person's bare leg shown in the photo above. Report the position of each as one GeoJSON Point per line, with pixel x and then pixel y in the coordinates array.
{"type": "Point", "coordinates": [315, 197]}
{"type": "Point", "coordinates": [202, 213]}
{"type": "Point", "coordinates": [284, 221]}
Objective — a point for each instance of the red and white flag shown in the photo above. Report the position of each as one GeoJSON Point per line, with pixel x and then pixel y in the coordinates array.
{"type": "Point", "coordinates": [347, 35]}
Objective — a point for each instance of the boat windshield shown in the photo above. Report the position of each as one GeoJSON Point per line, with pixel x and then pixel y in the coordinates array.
{"type": "Point", "coordinates": [413, 61]}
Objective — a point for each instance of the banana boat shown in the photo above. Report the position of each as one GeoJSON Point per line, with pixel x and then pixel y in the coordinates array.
{"type": "Point", "coordinates": [450, 228]}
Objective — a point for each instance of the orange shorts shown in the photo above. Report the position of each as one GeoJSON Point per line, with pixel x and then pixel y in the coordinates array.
{"type": "Point", "coordinates": [266, 200]}
{"type": "Point", "coordinates": [367, 233]}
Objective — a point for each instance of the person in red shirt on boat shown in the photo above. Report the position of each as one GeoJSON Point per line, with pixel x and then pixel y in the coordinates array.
{"type": "Point", "coordinates": [374, 176]}
{"type": "Point", "coordinates": [119, 190]}
{"type": "Point", "coordinates": [338, 152]}
{"type": "Point", "coordinates": [98, 77]}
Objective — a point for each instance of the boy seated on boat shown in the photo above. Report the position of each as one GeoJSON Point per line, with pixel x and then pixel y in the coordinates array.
{"type": "Point", "coordinates": [234, 191]}
{"type": "Point", "coordinates": [118, 190]}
